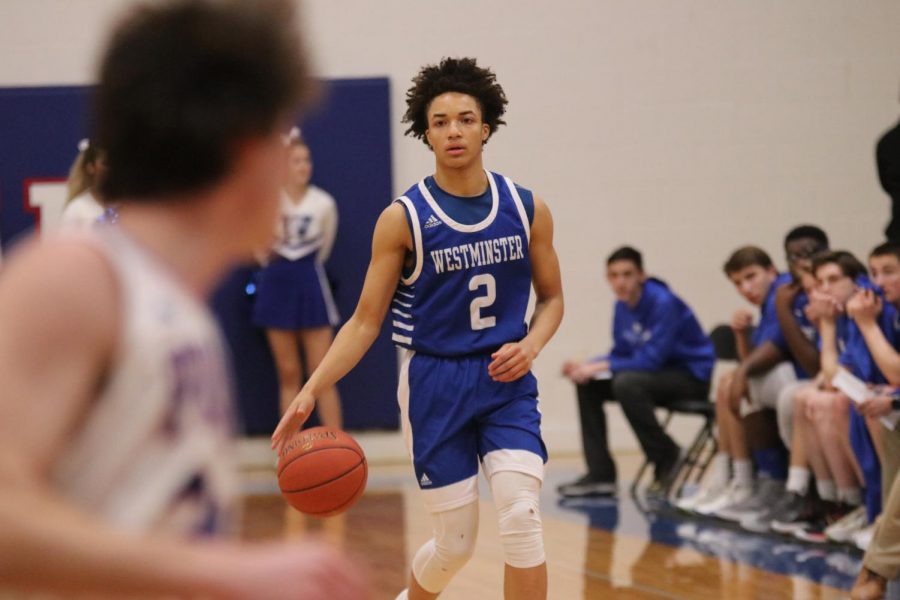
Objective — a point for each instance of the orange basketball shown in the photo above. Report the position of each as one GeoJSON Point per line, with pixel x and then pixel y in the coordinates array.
{"type": "Point", "coordinates": [322, 471]}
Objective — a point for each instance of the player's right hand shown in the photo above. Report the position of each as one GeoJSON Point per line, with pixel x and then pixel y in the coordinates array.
{"type": "Point", "coordinates": [742, 319]}
{"type": "Point", "coordinates": [569, 367]}
{"type": "Point", "coordinates": [295, 416]}
{"type": "Point", "coordinates": [821, 307]}
{"type": "Point", "coordinates": [294, 572]}
{"type": "Point", "coordinates": [786, 294]}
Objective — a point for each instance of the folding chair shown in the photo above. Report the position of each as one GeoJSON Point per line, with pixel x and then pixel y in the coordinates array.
{"type": "Point", "coordinates": [703, 447]}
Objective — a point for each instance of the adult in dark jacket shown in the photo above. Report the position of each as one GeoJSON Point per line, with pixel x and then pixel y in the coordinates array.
{"type": "Point", "coordinates": [887, 156]}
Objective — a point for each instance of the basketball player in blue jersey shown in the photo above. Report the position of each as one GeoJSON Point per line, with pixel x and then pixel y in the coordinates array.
{"type": "Point", "coordinates": [115, 412]}
{"type": "Point", "coordinates": [453, 263]}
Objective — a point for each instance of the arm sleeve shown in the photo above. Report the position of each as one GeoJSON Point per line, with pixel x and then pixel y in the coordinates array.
{"type": "Point", "coordinates": [619, 348]}
{"type": "Point", "coordinates": [655, 352]}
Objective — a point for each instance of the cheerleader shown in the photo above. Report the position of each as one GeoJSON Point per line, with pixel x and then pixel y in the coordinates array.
{"type": "Point", "coordinates": [294, 302]}
{"type": "Point", "coordinates": [83, 207]}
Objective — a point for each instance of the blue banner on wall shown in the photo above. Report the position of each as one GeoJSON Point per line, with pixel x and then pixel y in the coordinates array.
{"type": "Point", "coordinates": [349, 138]}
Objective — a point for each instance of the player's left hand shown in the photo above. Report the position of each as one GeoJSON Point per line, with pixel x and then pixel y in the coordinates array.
{"type": "Point", "coordinates": [878, 406]}
{"type": "Point", "coordinates": [511, 361]}
{"type": "Point", "coordinates": [864, 306]}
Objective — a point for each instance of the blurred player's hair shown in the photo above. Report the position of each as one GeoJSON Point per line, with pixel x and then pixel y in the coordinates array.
{"type": "Point", "coordinates": [747, 256]}
{"type": "Point", "coordinates": [462, 75]}
{"type": "Point", "coordinates": [807, 232]}
{"type": "Point", "coordinates": [626, 253]}
{"type": "Point", "coordinates": [849, 264]}
{"type": "Point", "coordinates": [887, 249]}
{"type": "Point", "coordinates": [183, 83]}
{"type": "Point", "coordinates": [82, 176]}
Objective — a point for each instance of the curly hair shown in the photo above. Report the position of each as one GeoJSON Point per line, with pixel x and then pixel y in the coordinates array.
{"type": "Point", "coordinates": [462, 75]}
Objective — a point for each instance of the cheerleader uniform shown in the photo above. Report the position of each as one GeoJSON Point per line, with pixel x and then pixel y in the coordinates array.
{"type": "Point", "coordinates": [293, 292]}
{"type": "Point", "coordinates": [81, 213]}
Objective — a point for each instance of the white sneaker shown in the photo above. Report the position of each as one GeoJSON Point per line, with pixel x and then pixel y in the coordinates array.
{"type": "Point", "coordinates": [738, 495]}
{"type": "Point", "coordinates": [766, 494]}
{"type": "Point", "coordinates": [844, 529]}
{"type": "Point", "coordinates": [863, 537]}
{"type": "Point", "coordinates": [732, 494]}
{"type": "Point", "coordinates": [701, 496]}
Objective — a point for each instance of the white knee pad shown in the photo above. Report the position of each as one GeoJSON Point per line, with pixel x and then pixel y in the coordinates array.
{"type": "Point", "coordinates": [517, 497]}
{"type": "Point", "coordinates": [449, 550]}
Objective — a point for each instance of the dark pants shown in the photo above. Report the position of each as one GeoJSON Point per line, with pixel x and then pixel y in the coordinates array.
{"type": "Point", "coordinates": [639, 393]}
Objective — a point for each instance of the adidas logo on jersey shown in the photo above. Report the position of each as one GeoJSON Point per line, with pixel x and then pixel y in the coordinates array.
{"type": "Point", "coordinates": [425, 481]}
{"type": "Point", "coordinates": [432, 222]}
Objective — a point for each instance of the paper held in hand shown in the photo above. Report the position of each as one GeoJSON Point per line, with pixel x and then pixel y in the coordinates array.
{"type": "Point", "coordinates": [857, 390]}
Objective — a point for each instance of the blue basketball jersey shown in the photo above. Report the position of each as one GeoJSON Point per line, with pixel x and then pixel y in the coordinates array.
{"type": "Point", "coordinates": [468, 290]}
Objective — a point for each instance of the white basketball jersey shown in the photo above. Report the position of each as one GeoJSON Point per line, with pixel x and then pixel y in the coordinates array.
{"type": "Point", "coordinates": [155, 451]}
{"type": "Point", "coordinates": [307, 226]}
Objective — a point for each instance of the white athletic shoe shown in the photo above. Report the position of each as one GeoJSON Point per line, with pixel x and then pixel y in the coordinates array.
{"type": "Point", "coordinates": [738, 496]}
{"type": "Point", "coordinates": [766, 493]}
{"type": "Point", "coordinates": [732, 494]}
{"type": "Point", "coordinates": [844, 529]}
{"type": "Point", "coordinates": [701, 496]}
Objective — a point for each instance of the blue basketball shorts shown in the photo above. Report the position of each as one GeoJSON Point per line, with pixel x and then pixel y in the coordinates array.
{"type": "Point", "coordinates": [864, 450]}
{"type": "Point", "coordinates": [455, 417]}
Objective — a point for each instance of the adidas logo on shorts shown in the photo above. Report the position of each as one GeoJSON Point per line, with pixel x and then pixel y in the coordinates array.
{"type": "Point", "coordinates": [432, 222]}
{"type": "Point", "coordinates": [425, 480]}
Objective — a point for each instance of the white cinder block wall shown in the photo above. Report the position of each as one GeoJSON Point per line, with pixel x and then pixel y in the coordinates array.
{"type": "Point", "coordinates": [685, 128]}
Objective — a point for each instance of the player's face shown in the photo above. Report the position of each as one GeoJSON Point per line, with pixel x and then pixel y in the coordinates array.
{"type": "Point", "coordinates": [455, 131]}
{"type": "Point", "coordinates": [886, 275]}
{"type": "Point", "coordinates": [299, 166]}
{"type": "Point", "coordinates": [626, 280]}
{"type": "Point", "coordinates": [832, 282]}
{"type": "Point", "coordinates": [799, 255]}
{"type": "Point", "coordinates": [753, 283]}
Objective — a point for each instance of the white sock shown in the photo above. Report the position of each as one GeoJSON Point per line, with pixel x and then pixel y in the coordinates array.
{"type": "Point", "coordinates": [827, 490]}
{"type": "Point", "coordinates": [743, 472]}
{"type": "Point", "coordinates": [850, 495]}
{"type": "Point", "coordinates": [721, 469]}
{"type": "Point", "coordinates": [798, 480]}
{"type": "Point", "coordinates": [404, 595]}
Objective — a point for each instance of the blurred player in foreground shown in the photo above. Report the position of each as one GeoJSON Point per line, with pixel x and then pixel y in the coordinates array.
{"type": "Point", "coordinates": [115, 412]}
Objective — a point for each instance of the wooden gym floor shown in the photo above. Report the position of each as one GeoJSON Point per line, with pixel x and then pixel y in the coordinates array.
{"type": "Point", "coordinates": [595, 548]}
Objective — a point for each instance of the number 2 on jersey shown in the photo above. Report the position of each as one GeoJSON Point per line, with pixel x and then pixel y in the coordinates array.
{"type": "Point", "coordinates": [489, 283]}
